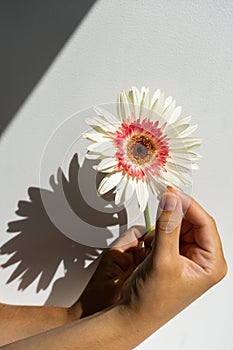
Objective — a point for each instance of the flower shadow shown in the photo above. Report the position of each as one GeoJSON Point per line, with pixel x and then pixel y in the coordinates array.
{"type": "Point", "coordinates": [40, 247]}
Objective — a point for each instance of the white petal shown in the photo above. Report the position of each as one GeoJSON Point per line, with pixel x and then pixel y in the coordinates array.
{"type": "Point", "coordinates": [195, 166]}
{"type": "Point", "coordinates": [142, 194]}
{"type": "Point", "coordinates": [194, 155]}
{"type": "Point", "coordinates": [134, 96]}
{"type": "Point", "coordinates": [155, 98]}
{"type": "Point", "coordinates": [106, 164]}
{"type": "Point", "coordinates": [174, 132]}
{"type": "Point", "coordinates": [95, 156]}
{"type": "Point", "coordinates": [109, 182]}
{"type": "Point", "coordinates": [167, 102]}
{"type": "Point", "coordinates": [145, 97]}
{"type": "Point", "coordinates": [187, 142]}
{"type": "Point", "coordinates": [178, 167]}
{"type": "Point", "coordinates": [185, 157]}
{"type": "Point", "coordinates": [107, 170]}
{"type": "Point", "coordinates": [156, 186]}
{"type": "Point", "coordinates": [120, 191]}
{"type": "Point", "coordinates": [188, 131]}
{"type": "Point", "coordinates": [110, 118]}
{"type": "Point", "coordinates": [124, 109]}
{"type": "Point", "coordinates": [134, 101]}
{"type": "Point", "coordinates": [171, 179]}
{"type": "Point", "coordinates": [175, 115]}
{"type": "Point", "coordinates": [177, 179]}
{"type": "Point", "coordinates": [105, 149]}
{"type": "Point", "coordinates": [100, 123]}
{"type": "Point", "coordinates": [95, 136]}
{"type": "Point", "coordinates": [180, 158]}
{"type": "Point", "coordinates": [129, 189]}
{"type": "Point", "coordinates": [159, 106]}
{"type": "Point", "coordinates": [145, 103]}
{"type": "Point", "coordinates": [98, 147]}
{"type": "Point", "coordinates": [185, 120]}
{"type": "Point", "coordinates": [169, 110]}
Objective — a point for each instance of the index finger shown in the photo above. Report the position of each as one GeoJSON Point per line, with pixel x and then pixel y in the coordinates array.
{"type": "Point", "coordinates": [193, 211]}
{"type": "Point", "coordinates": [129, 239]}
{"type": "Point", "coordinates": [205, 231]}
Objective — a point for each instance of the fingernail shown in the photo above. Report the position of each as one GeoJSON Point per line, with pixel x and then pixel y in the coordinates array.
{"type": "Point", "coordinates": [168, 202]}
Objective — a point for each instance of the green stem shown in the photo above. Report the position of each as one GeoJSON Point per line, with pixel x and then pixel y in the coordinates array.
{"type": "Point", "coordinates": [147, 218]}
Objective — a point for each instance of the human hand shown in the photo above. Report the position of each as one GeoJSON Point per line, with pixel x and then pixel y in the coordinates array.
{"type": "Point", "coordinates": [115, 266]}
{"type": "Point", "coordinates": [180, 261]}
{"type": "Point", "coordinates": [195, 254]}
{"type": "Point", "coordinates": [186, 259]}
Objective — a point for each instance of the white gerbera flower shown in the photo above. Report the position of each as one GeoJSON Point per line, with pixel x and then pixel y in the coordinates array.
{"type": "Point", "coordinates": [144, 146]}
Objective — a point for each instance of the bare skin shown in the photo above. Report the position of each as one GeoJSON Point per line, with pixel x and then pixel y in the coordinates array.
{"type": "Point", "coordinates": [19, 322]}
{"type": "Point", "coordinates": [144, 287]}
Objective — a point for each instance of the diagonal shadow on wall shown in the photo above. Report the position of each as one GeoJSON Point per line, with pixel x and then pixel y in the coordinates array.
{"type": "Point", "coordinates": [40, 246]}
{"type": "Point", "coordinates": [32, 33]}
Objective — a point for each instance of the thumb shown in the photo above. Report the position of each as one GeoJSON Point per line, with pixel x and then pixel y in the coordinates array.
{"type": "Point", "coordinates": [167, 229]}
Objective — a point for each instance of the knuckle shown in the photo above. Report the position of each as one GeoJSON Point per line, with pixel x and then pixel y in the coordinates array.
{"type": "Point", "coordinates": [167, 225]}
{"type": "Point", "coordinates": [220, 272]}
{"type": "Point", "coordinates": [212, 220]}
{"type": "Point", "coordinates": [135, 232]}
{"type": "Point", "coordinates": [161, 225]}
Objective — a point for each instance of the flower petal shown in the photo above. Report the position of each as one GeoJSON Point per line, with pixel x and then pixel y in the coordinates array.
{"type": "Point", "coordinates": [195, 166]}
{"type": "Point", "coordinates": [155, 98]}
{"type": "Point", "coordinates": [176, 179]}
{"type": "Point", "coordinates": [109, 117]}
{"type": "Point", "coordinates": [185, 120]}
{"type": "Point", "coordinates": [95, 136]}
{"type": "Point", "coordinates": [159, 106]}
{"type": "Point", "coordinates": [145, 103]}
{"type": "Point", "coordinates": [167, 102]}
{"type": "Point", "coordinates": [123, 107]}
{"type": "Point", "coordinates": [185, 153]}
{"type": "Point", "coordinates": [106, 165]}
{"type": "Point", "coordinates": [142, 194]}
{"type": "Point", "coordinates": [169, 110]}
{"type": "Point", "coordinates": [109, 182]}
{"type": "Point", "coordinates": [94, 156]}
{"type": "Point", "coordinates": [188, 130]}
{"type": "Point", "coordinates": [129, 189]}
{"type": "Point", "coordinates": [156, 186]}
{"type": "Point", "coordinates": [184, 143]}
{"type": "Point", "coordinates": [103, 148]}
{"type": "Point", "coordinates": [120, 191]}
{"type": "Point", "coordinates": [175, 114]}
{"type": "Point", "coordinates": [193, 155]}
{"type": "Point", "coordinates": [98, 147]}
{"type": "Point", "coordinates": [171, 180]}
{"type": "Point", "coordinates": [174, 132]}
{"type": "Point", "coordinates": [135, 99]}
{"type": "Point", "coordinates": [100, 123]}
{"type": "Point", "coordinates": [179, 168]}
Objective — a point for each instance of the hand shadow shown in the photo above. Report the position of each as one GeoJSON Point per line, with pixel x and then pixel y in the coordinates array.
{"type": "Point", "coordinates": [40, 246]}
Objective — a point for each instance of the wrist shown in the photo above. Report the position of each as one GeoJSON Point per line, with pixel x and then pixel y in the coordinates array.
{"type": "Point", "coordinates": [141, 320]}
{"type": "Point", "coordinates": [136, 324]}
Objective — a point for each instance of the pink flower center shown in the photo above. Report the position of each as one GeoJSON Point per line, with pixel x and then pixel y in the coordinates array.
{"type": "Point", "coordinates": [142, 148]}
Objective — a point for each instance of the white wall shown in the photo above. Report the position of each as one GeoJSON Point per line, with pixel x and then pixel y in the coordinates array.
{"type": "Point", "coordinates": [186, 49]}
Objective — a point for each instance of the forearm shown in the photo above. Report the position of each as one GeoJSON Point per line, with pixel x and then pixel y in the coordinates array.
{"type": "Point", "coordinates": [18, 322]}
{"type": "Point", "coordinates": [111, 329]}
